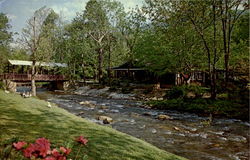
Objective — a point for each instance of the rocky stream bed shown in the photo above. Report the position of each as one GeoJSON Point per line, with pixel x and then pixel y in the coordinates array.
{"type": "Point", "coordinates": [184, 134]}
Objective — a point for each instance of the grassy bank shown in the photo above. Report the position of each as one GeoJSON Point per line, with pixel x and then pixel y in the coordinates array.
{"type": "Point", "coordinates": [29, 119]}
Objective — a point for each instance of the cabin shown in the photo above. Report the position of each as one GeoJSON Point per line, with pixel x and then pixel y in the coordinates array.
{"type": "Point", "coordinates": [132, 71]}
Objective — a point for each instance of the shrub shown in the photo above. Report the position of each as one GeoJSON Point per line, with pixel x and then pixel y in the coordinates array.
{"type": "Point", "coordinates": [177, 92]}
{"type": "Point", "coordinates": [197, 90]}
{"type": "Point", "coordinates": [182, 91]}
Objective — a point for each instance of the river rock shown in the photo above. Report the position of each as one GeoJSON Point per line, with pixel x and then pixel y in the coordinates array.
{"type": "Point", "coordinates": [238, 139]}
{"type": "Point", "coordinates": [168, 132]}
{"type": "Point", "coordinates": [147, 113]}
{"type": "Point", "coordinates": [154, 98]}
{"type": "Point", "coordinates": [142, 127]}
{"type": "Point", "coordinates": [134, 114]}
{"type": "Point", "coordinates": [203, 135]}
{"type": "Point", "coordinates": [153, 131]}
{"type": "Point", "coordinates": [80, 113]}
{"type": "Point", "coordinates": [105, 119]}
{"type": "Point", "coordinates": [88, 104]}
{"type": "Point", "coordinates": [216, 145]}
{"type": "Point", "coordinates": [132, 121]}
{"type": "Point", "coordinates": [82, 90]}
{"type": "Point", "coordinates": [120, 96]}
{"type": "Point", "coordinates": [217, 133]}
{"type": "Point", "coordinates": [177, 129]}
{"type": "Point", "coordinates": [100, 111]}
{"type": "Point", "coordinates": [104, 107]}
{"type": "Point", "coordinates": [223, 138]}
{"type": "Point", "coordinates": [84, 103]}
{"type": "Point", "coordinates": [114, 111]}
{"type": "Point", "coordinates": [163, 117]}
{"type": "Point", "coordinates": [118, 106]}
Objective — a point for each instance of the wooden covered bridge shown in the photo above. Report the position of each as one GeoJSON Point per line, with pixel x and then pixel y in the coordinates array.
{"type": "Point", "coordinates": [18, 72]}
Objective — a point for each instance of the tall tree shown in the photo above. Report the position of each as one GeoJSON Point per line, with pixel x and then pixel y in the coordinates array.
{"type": "Point", "coordinates": [100, 25]}
{"type": "Point", "coordinates": [230, 11]}
{"type": "Point", "coordinates": [33, 39]}
{"type": "Point", "coordinates": [5, 39]}
{"type": "Point", "coordinates": [97, 25]}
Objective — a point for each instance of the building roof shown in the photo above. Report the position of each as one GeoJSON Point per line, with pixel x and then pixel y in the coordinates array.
{"type": "Point", "coordinates": [29, 63]}
{"type": "Point", "coordinates": [128, 66]}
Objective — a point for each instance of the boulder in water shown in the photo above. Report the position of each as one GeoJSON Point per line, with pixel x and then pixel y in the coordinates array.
{"type": "Point", "coordinates": [177, 129]}
{"type": "Point", "coordinates": [153, 131]}
{"type": "Point", "coordinates": [104, 107]}
{"type": "Point", "coordinates": [105, 119]}
{"type": "Point", "coordinates": [163, 117]}
{"type": "Point", "coordinates": [84, 103]}
{"type": "Point", "coordinates": [88, 104]}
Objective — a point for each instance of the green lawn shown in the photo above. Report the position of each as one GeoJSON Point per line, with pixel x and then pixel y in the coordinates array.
{"type": "Point", "coordinates": [29, 119]}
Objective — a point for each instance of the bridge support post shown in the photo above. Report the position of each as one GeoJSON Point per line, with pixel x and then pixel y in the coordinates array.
{"type": "Point", "coordinates": [9, 85]}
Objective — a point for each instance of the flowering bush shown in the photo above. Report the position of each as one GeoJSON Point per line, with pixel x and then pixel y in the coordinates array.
{"type": "Point", "coordinates": [41, 149]}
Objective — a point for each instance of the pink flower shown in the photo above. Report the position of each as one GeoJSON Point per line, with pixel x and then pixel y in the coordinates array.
{"type": "Point", "coordinates": [43, 146]}
{"type": "Point", "coordinates": [28, 152]}
{"type": "Point", "coordinates": [59, 156]}
{"type": "Point", "coordinates": [40, 149]}
{"type": "Point", "coordinates": [65, 151]}
{"type": "Point", "coordinates": [50, 158]}
{"type": "Point", "coordinates": [82, 140]}
{"type": "Point", "coordinates": [19, 145]}
{"type": "Point", "coordinates": [55, 153]}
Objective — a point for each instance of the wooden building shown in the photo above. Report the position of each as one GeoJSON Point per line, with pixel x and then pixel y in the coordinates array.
{"type": "Point", "coordinates": [138, 74]}
{"type": "Point", "coordinates": [19, 70]}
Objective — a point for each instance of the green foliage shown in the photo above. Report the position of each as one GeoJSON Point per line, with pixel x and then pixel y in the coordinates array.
{"type": "Point", "coordinates": [19, 54]}
{"type": "Point", "coordinates": [182, 91]}
{"type": "Point", "coordinates": [220, 107]}
{"type": "Point", "coordinates": [2, 85]}
{"type": "Point", "coordinates": [5, 39]}
{"type": "Point", "coordinates": [177, 92]}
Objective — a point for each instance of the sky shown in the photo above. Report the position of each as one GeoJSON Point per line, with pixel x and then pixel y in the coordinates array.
{"type": "Point", "coordinates": [19, 11]}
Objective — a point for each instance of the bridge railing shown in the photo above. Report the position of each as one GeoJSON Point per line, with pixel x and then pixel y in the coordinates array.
{"type": "Point", "coordinates": [27, 77]}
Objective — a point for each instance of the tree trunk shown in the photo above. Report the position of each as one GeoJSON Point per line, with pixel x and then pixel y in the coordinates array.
{"type": "Point", "coordinates": [100, 64]}
{"type": "Point", "coordinates": [33, 82]}
{"type": "Point", "coordinates": [225, 38]}
{"type": "Point", "coordinates": [109, 66]}
{"type": "Point", "coordinates": [213, 77]}
{"type": "Point", "coordinates": [83, 70]}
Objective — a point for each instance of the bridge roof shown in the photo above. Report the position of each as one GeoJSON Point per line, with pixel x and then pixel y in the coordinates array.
{"type": "Point", "coordinates": [29, 63]}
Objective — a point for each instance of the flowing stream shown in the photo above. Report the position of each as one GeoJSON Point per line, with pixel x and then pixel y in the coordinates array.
{"type": "Point", "coordinates": [187, 135]}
